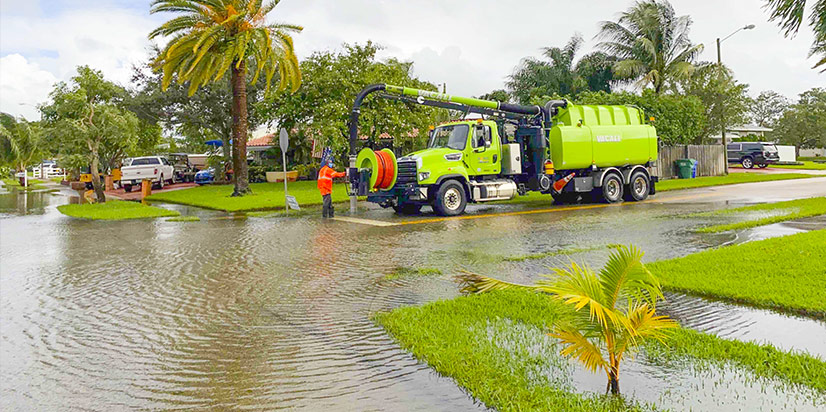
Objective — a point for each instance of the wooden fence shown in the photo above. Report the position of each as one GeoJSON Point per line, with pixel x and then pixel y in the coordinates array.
{"type": "Point", "coordinates": [710, 160]}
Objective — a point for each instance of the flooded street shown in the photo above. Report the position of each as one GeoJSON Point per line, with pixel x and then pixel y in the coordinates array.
{"type": "Point", "coordinates": [274, 313]}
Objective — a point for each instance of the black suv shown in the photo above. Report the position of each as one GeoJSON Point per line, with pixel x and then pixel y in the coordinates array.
{"type": "Point", "coordinates": [750, 154]}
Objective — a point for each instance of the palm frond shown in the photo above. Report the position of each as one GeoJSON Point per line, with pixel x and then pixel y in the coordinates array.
{"type": "Point", "coordinates": [473, 283]}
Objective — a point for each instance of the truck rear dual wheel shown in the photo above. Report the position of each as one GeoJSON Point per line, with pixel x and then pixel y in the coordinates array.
{"type": "Point", "coordinates": [638, 187]}
{"type": "Point", "coordinates": [611, 190]}
{"type": "Point", "coordinates": [450, 199]}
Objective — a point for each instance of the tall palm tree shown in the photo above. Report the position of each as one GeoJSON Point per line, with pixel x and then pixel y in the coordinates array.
{"type": "Point", "coordinates": [789, 15]}
{"type": "Point", "coordinates": [621, 309]}
{"type": "Point", "coordinates": [560, 73]}
{"type": "Point", "coordinates": [213, 36]}
{"type": "Point", "coordinates": [650, 43]}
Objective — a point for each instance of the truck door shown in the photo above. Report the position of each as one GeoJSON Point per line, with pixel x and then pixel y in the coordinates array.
{"type": "Point", "coordinates": [484, 151]}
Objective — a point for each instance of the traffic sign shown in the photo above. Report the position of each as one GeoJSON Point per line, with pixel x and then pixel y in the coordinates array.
{"type": "Point", "coordinates": [292, 203]}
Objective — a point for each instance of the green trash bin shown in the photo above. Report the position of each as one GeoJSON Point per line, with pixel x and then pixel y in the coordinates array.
{"type": "Point", "coordinates": [684, 167]}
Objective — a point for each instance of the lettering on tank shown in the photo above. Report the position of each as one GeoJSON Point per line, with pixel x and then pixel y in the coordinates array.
{"type": "Point", "coordinates": [609, 139]}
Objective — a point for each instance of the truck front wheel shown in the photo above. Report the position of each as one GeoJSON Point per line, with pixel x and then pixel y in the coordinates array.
{"type": "Point", "coordinates": [451, 199]}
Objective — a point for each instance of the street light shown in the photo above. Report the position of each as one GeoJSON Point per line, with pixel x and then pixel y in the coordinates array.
{"type": "Point", "coordinates": [720, 98]}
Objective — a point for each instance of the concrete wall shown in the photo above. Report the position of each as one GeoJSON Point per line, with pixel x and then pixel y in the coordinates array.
{"type": "Point", "coordinates": [787, 153]}
{"type": "Point", "coordinates": [813, 152]}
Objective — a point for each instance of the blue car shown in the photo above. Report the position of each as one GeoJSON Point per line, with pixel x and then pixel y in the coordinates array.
{"type": "Point", "coordinates": [205, 177]}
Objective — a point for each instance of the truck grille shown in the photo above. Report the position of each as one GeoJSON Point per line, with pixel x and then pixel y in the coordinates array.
{"type": "Point", "coordinates": [407, 172]}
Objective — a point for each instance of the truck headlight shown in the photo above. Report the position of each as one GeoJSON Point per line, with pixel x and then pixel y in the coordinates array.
{"type": "Point", "coordinates": [424, 175]}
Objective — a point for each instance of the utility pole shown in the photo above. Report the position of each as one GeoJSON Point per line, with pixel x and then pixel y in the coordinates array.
{"type": "Point", "coordinates": [720, 97]}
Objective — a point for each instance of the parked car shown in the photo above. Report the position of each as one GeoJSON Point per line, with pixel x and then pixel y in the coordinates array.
{"type": "Point", "coordinates": [184, 170]}
{"type": "Point", "coordinates": [49, 170]}
{"type": "Point", "coordinates": [154, 168]}
{"type": "Point", "coordinates": [749, 154]}
{"type": "Point", "coordinates": [205, 176]}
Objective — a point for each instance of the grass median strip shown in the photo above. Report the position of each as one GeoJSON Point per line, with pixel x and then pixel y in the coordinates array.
{"type": "Point", "coordinates": [265, 196]}
{"type": "Point", "coordinates": [779, 212]}
{"type": "Point", "coordinates": [115, 210]}
{"type": "Point", "coordinates": [807, 165]}
{"type": "Point", "coordinates": [785, 273]}
{"type": "Point", "coordinates": [189, 218]}
{"type": "Point", "coordinates": [494, 345]}
{"type": "Point", "coordinates": [731, 179]}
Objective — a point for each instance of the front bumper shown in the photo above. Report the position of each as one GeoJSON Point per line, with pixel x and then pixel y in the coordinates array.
{"type": "Point", "coordinates": [409, 193]}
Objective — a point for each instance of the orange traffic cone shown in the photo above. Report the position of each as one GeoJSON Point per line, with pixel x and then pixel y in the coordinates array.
{"type": "Point", "coordinates": [560, 184]}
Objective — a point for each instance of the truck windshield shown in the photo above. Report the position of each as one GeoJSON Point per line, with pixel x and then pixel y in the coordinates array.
{"type": "Point", "coordinates": [453, 137]}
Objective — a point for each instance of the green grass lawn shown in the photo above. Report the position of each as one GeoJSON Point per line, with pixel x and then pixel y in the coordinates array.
{"type": "Point", "coordinates": [487, 344]}
{"type": "Point", "coordinates": [14, 184]}
{"type": "Point", "coordinates": [787, 273]}
{"type": "Point", "coordinates": [779, 212]}
{"type": "Point", "coordinates": [115, 210]}
{"type": "Point", "coordinates": [731, 179]}
{"type": "Point", "coordinates": [808, 165]}
{"type": "Point", "coordinates": [264, 196]}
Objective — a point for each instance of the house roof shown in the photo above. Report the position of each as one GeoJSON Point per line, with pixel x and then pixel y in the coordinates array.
{"type": "Point", "coordinates": [265, 140]}
{"type": "Point", "coordinates": [749, 128]}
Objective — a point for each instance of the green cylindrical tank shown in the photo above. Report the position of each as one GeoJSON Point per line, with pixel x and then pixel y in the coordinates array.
{"type": "Point", "coordinates": [605, 136]}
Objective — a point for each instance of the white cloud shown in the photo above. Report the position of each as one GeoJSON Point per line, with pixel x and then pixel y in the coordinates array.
{"type": "Point", "coordinates": [22, 86]}
{"type": "Point", "coordinates": [472, 45]}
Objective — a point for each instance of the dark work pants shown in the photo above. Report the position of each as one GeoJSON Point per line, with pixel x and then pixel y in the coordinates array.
{"type": "Point", "coordinates": [327, 208]}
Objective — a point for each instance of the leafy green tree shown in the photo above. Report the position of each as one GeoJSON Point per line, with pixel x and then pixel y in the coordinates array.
{"type": "Point", "coordinates": [560, 74]}
{"type": "Point", "coordinates": [88, 121]}
{"type": "Point", "coordinates": [21, 143]}
{"type": "Point", "coordinates": [499, 95]}
{"type": "Point", "coordinates": [319, 110]}
{"type": "Point", "coordinates": [804, 123]}
{"type": "Point", "coordinates": [789, 15]}
{"type": "Point", "coordinates": [651, 44]}
{"type": "Point", "coordinates": [614, 310]}
{"type": "Point", "coordinates": [722, 97]}
{"type": "Point", "coordinates": [212, 37]}
{"type": "Point", "coordinates": [767, 108]}
{"type": "Point", "coordinates": [678, 119]}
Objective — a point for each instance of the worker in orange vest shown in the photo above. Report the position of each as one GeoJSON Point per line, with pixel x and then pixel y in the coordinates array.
{"type": "Point", "coordinates": [325, 186]}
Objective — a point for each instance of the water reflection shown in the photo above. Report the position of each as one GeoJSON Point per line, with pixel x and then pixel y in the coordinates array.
{"type": "Point", "coordinates": [259, 313]}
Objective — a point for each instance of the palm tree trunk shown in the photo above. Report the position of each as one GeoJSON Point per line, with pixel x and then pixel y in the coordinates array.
{"type": "Point", "coordinates": [613, 380]}
{"type": "Point", "coordinates": [239, 129]}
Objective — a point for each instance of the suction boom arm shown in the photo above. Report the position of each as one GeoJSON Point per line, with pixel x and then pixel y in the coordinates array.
{"type": "Point", "coordinates": [446, 101]}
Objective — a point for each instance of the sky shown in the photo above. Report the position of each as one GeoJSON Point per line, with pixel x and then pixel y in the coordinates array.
{"type": "Point", "coordinates": [471, 46]}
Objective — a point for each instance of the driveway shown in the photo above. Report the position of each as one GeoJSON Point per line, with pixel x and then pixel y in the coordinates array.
{"type": "Point", "coordinates": [135, 194]}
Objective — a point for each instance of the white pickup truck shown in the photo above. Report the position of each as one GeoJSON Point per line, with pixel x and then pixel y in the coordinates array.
{"type": "Point", "coordinates": [154, 168]}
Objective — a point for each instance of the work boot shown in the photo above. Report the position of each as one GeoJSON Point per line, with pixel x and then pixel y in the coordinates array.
{"type": "Point", "coordinates": [332, 212]}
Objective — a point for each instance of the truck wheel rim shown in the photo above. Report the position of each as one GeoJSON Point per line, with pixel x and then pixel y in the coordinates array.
{"type": "Point", "coordinates": [613, 189]}
{"type": "Point", "coordinates": [747, 163]}
{"type": "Point", "coordinates": [452, 199]}
{"type": "Point", "coordinates": [640, 187]}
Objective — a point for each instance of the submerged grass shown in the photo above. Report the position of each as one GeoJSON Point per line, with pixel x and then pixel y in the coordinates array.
{"type": "Point", "coordinates": [785, 273]}
{"type": "Point", "coordinates": [14, 184]}
{"type": "Point", "coordinates": [403, 272]}
{"type": "Point", "coordinates": [188, 218]}
{"type": "Point", "coordinates": [559, 252]}
{"type": "Point", "coordinates": [794, 209]}
{"type": "Point", "coordinates": [731, 179]}
{"type": "Point", "coordinates": [264, 196]}
{"type": "Point", "coordinates": [452, 337]}
{"type": "Point", "coordinates": [115, 210]}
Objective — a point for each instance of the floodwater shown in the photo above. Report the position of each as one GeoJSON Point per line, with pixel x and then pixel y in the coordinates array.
{"type": "Point", "coordinates": [273, 313]}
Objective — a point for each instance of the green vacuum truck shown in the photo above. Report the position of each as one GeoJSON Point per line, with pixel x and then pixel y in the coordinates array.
{"type": "Point", "coordinates": [599, 153]}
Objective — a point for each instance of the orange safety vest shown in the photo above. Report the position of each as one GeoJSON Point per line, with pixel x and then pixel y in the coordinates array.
{"type": "Point", "coordinates": [325, 179]}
